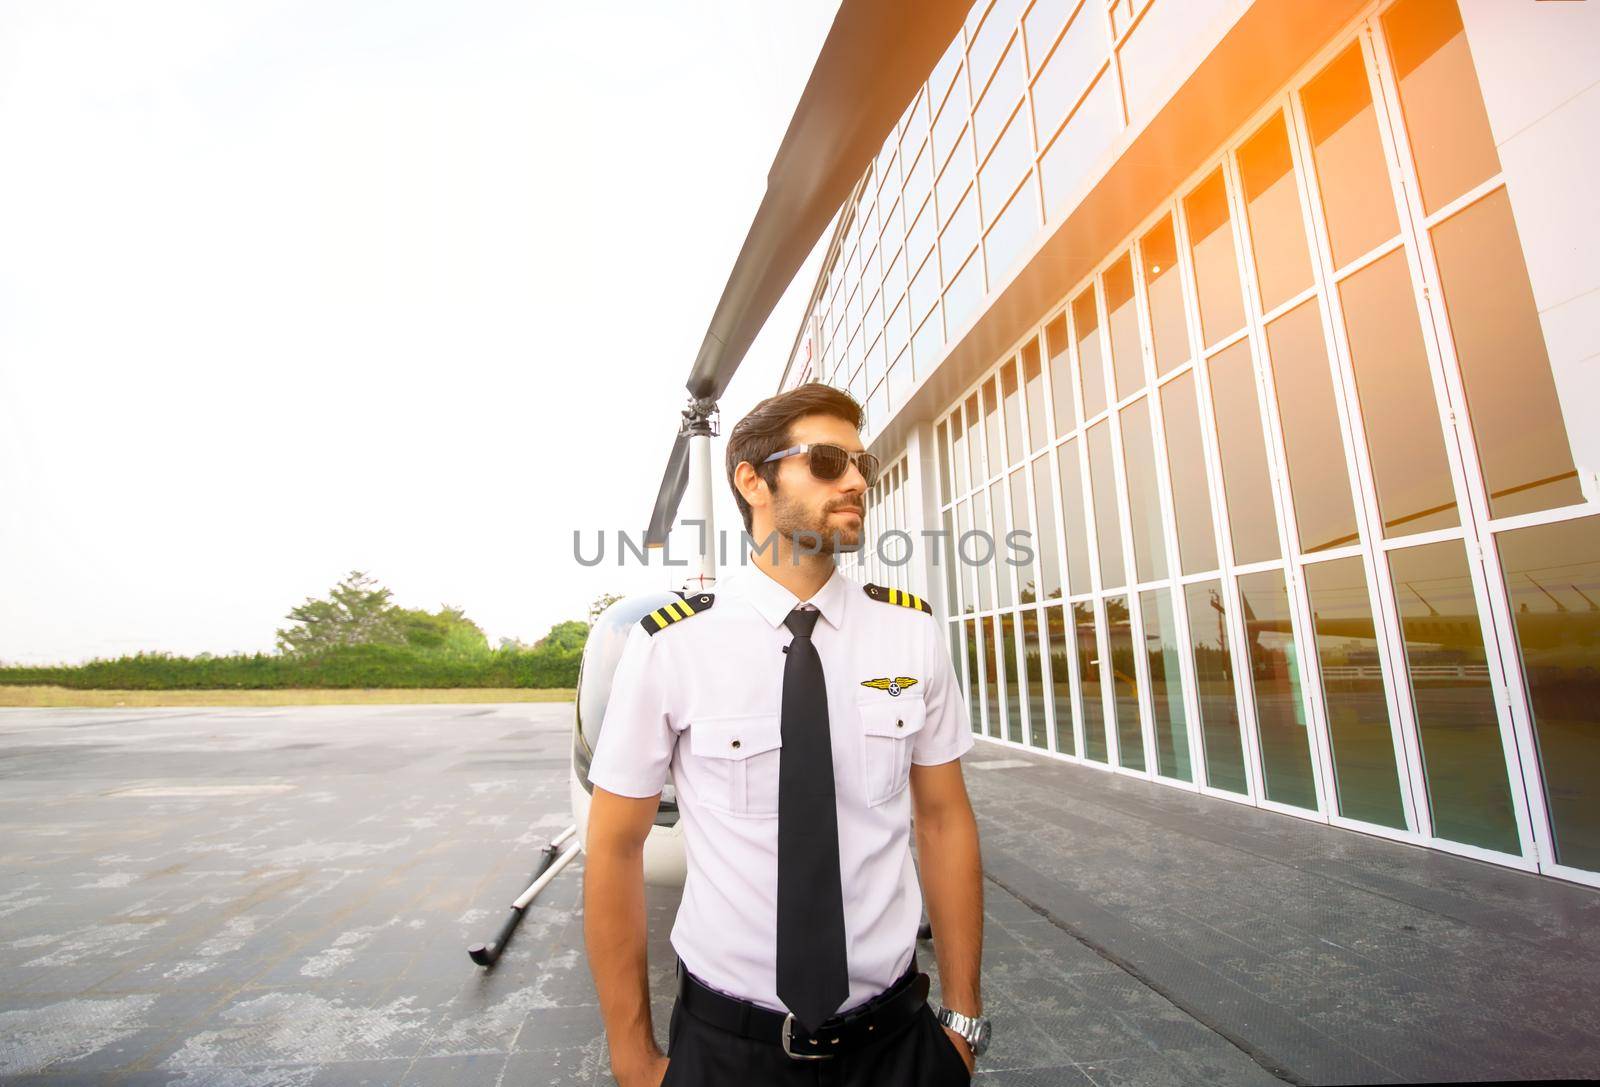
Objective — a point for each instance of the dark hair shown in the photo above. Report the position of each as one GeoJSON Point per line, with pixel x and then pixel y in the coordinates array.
{"type": "Point", "coordinates": [765, 430]}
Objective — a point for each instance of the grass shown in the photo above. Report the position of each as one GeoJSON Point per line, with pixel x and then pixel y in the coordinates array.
{"type": "Point", "coordinates": [355, 696]}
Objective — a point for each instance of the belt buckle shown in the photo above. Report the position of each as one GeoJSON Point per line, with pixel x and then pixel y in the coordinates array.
{"type": "Point", "coordinates": [788, 1035]}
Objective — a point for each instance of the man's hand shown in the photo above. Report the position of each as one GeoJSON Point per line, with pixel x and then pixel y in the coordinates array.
{"type": "Point", "coordinates": [962, 1048]}
{"type": "Point", "coordinates": [650, 1074]}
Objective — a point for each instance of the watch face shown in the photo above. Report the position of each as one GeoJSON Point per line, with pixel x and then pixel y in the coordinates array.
{"type": "Point", "coordinates": [981, 1042]}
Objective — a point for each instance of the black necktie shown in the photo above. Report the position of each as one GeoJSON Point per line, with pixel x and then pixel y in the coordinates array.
{"type": "Point", "coordinates": [812, 976]}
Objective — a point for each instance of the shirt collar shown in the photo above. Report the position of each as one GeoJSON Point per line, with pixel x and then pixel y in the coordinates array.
{"type": "Point", "coordinates": [774, 602]}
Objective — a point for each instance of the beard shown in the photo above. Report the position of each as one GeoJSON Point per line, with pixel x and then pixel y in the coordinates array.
{"type": "Point", "coordinates": [808, 528]}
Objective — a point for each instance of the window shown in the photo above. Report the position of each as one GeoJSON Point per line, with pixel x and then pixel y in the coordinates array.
{"type": "Point", "coordinates": [1086, 322]}
{"type": "Point", "coordinates": [1062, 383]}
{"type": "Point", "coordinates": [1246, 480]}
{"type": "Point", "coordinates": [1061, 680]}
{"type": "Point", "coordinates": [1144, 502]}
{"type": "Point", "coordinates": [1272, 206]}
{"type": "Point", "coordinates": [1275, 673]}
{"type": "Point", "coordinates": [1216, 270]}
{"type": "Point", "coordinates": [1033, 665]}
{"type": "Point", "coordinates": [1213, 666]}
{"type": "Point", "coordinates": [1108, 524]}
{"type": "Point", "coordinates": [1186, 461]}
{"type": "Point", "coordinates": [1093, 708]}
{"type": "Point", "coordinates": [1356, 199]}
{"type": "Point", "coordinates": [1045, 538]}
{"type": "Point", "coordinates": [1164, 289]}
{"type": "Point", "coordinates": [1166, 685]}
{"type": "Point", "coordinates": [1122, 327]}
{"type": "Point", "coordinates": [1124, 685]}
{"type": "Point", "coordinates": [1012, 406]}
{"type": "Point", "coordinates": [1072, 515]}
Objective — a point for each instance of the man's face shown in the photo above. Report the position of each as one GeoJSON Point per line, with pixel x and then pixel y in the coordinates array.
{"type": "Point", "coordinates": [802, 503]}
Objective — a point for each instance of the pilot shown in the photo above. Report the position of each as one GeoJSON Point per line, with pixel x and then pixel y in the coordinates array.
{"type": "Point", "coordinates": [804, 718]}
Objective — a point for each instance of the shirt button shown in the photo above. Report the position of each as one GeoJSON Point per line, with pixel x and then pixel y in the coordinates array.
{"type": "Point", "coordinates": [736, 743]}
{"type": "Point", "coordinates": [899, 724]}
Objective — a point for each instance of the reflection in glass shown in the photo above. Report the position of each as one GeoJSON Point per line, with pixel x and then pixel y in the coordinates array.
{"type": "Point", "coordinates": [975, 440]}
{"type": "Point", "coordinates": [1439, 94]}
{"type": "Point", "coordinates": [1012, 402]}
{"type": "Point", "coordinates": [1164, 291]}
{"type": "Point", "coordinates": [1186, 461]}
{"type": "Point", "coordinates": [1093, 706]}
{"type": "Point", "coordinates": [1045, 536]}
{"type": "Point", "coordinates": [991, 430]}
{"type": "Point", "coordinates": [1272, 206]}
{"type": "Point", "coordinates": [1144, 503]}
{"type": "Point", "coordinates": [1454, 697]}
{"type": "Point", "coordinates": [1511, 396]}
{"type": "Point", "coordinates": [991, 691]}
{"type": "Point", "coordinates": [1553, 576]}
{"type": "Point", "coordinates": [942, 442]}
{"type": "Point", "coordinates": [981, 550]}
{"type": "Point", "coordinates": [1356, 198]}
{"type": "Point", "coordinates": [1027, 580]}
{"type": "Point", "coordinates": [1216, 270]}
{"type": "Point", "coordinates": [974, 692]}
{"type": "Point", "coordinates": [1213, 668]}
{"type": "Point", "coordinates": [1166, 685]}
{"type": "Point", "coordinates": [1072, 515]}
{"type": "Point", "coordinates": [1246, 481]}
{"type": "Point", "coordinates": [998, 528]}
{"type": "Point", "coordinates": [1275, 676]}
{"type": "Point", "coordinates": [1409, 465]}
{"type": "Point", "coordinates": [1013, 693]}
{"type": "Point", "coordinates": [1033, 395]}
{"type": "Point", "coordinates": [1122, 325]}
{"type": "Point", "coordinates": [946, 554]}
{"type": "Point", "coordinates": [1033, 651]}
{"type": "Point", "coordinates": [1086, 323]}
{"type": "Point", "coordinates": [1061, 679]}
{"type": "Point", "coordinates": [1352, 688]}
{"type": "Point", "coordinates": [1124, 685]}
{"type": "Point", "coordinates": [966, 550]}
{"type": "Point", "coordinates": [1061, 384]}
{"type": "Point", "coordinates": [958, 458]}
{"type": "Point", "coordinates": [1107, 519]}
{"type": "Point", "coordinates": [1318, 481]}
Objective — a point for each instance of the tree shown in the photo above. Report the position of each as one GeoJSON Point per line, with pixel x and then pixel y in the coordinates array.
{"type": "Point", "coordinates": [447, 630]}
{"type": "Point", "coordinates": [568, 635]}
{"type": "Point", "coordinates": [356, 612]}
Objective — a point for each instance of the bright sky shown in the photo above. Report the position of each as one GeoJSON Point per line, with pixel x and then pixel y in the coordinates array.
{"type": "Point", "coordinates": [291, 288]}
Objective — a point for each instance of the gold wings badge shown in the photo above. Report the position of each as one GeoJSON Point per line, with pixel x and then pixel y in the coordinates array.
{"type": "Point", "coordinates": [893, 686]}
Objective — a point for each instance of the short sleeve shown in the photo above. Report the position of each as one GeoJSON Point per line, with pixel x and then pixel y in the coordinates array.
{"type": "Point", "coordinates": [945, 735]}
{"type": "Point", "coordinates": [636, 736]}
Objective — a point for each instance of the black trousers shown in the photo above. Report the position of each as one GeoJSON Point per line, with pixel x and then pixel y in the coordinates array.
{"type": "Point", "coordinates": [919, 1054]}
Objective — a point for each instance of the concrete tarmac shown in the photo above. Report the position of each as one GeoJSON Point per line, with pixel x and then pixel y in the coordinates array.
{"type": "Point", "coordinates": [284, 896]}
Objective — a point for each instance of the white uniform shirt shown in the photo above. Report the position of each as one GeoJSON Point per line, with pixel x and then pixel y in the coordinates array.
{"type": "Point", "coordinates": [703, 697]}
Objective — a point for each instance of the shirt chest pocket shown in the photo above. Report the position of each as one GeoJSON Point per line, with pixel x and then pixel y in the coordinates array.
{"type": "Point", "coordinates": [737, 762]}
{"type": "Point", "coordinates": [889, 728]}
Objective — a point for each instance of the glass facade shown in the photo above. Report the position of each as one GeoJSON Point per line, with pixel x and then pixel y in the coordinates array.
{"type": "Point", "coordinates": [1307, 525]}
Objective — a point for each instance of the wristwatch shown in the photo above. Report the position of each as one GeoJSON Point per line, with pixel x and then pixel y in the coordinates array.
{"type": "Point", "coordinates": [975, 1029]}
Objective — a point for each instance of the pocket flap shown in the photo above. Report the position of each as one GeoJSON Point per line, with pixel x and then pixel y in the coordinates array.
{"type": "Point", "coordinates": [736, 737]}
{"type": "Point", "coordinates": [893, 717]}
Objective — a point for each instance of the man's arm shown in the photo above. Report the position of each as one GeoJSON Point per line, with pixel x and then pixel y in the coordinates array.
{"type": "Point", "coordinates": [614, 931]}
{"type": "Point", "coordinates": [952, 880]}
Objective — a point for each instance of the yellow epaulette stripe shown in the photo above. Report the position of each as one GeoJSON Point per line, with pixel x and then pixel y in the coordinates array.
{"type": "Point", "coordinates": [675, 611]}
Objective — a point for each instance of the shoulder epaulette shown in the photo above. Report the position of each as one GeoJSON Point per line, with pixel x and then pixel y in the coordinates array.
{"type": "Point", "coordinates": [664, 616]}
{"type": "Point", "coordinates": [897, 596]}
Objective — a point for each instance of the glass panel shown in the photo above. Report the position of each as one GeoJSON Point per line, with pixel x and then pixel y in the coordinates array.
{"type": "Point", "coordinates": [1012, 405]}
{"type": "Point", "coordinates": [941, 440]}
{"type": "Point", "coordinates": [1144, 503]}
{"type": "Point", "coordinates": [960, 237]}
{"type": "Point", "coordinates": [973, 706]}
{"type": "Point", "coordinates": [1122, 324]}
{"type": "Point", "coordinates": [974, 693]}
{"type": "Point", "coordinates": [1017, 225]}
{"type": "Point", "coordinates": [982, 553]}
{"type": "Point", "coordinates": [962, 296]}
{"type": "Point", "coordinates": [991, 428]}
{"type": "Point", "coordinates": [1186, 462]}
{"type": "Point", "coordinates": [1352, 688]}
{"type": "Point", "coordinates": [1553, 575]}
{"type": "Point", "coordinates": [1049, 585]}
{"type": "Point", "coordinates": [1356, 198]}
{"type": "Point", "coordinates": [1032, 650]}
{"type": "Point", "coordinates": [1061, 383]}
{"type": "Point", "coordinates": [1166, 685]}
{"type": "Point", "coordinates": [919, 182]}
{"type": "Point", "coordinates": [1033, 395]}
{"type": "Point", "coordinates": [1439, 94]}
{"type": "Point", "coordinates": [1086, 323]}
{"type": "Point", "coordinates": [991, 37]}
{"type": "Point", "coordinates": [1003, 170]}
{"type": "Point", "coordinates": [1002, 96]}
{"type": "Point", "coordinates": [1516, 417]}
{"type": "Point", "coordinates": [1409, 465]}
{"type": "Point", "coordinates": [956, 655]}
{"type": "Point", "coordinates": [919, 243]}
{"type": "Point", "coordinates": [1068, 70]}
{"type": "Point", "coordinates": [1213, 667]}
{"type": "Point", "coordinates": [1280, 705]}
{"type": "Point", "coordinates": [1002, 551]}
{"type": "Point", "coordinates": [1164, 289]}
{"type": "Point", "coordinates": [1277, 228]}
{"type": "Point", "coordinates": [955, 186]}
{"type": "Point", "coordinates": [1108, 523]}
{"type": "Point", "coordinates": [1216, 269]}
{"type": "Point", "coordinates": [966, 550]}
{"type": "Point", "coordinates": [1072, 515]}
{"type": "Point", "coordinates": [1013, 692]}
{"type": "Point", "coordinates": [947, 555]}
{"type": "Point", "coordinates": [1061, 680]}
{"type": "Point", "coordinates": [1318, 481]}
{"type": "Point", "coordinates": [1124, 685]}
{"type": "Point", "coordinates": [991, 692]}
{"type": "Point", "coordinates": [1027, 583]}
{"type": "Point", "coordinates": [949, 128]}
{"type": "Point", "coordinates": [1454, 698]}
{"type": "Point", "coordinates": [1093, 706]}
{"type": "Point", "coordinates": [1246, 481]}
{"type": "Point", "coordinates": [958, 436]}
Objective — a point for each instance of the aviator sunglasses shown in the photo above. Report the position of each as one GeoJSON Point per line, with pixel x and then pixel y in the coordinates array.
{"type": "Point", "coordinates": [828, 462]}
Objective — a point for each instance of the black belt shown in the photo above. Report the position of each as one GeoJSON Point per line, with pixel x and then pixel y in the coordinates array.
{"type": "Point", "coordinates": [860, 1026]}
